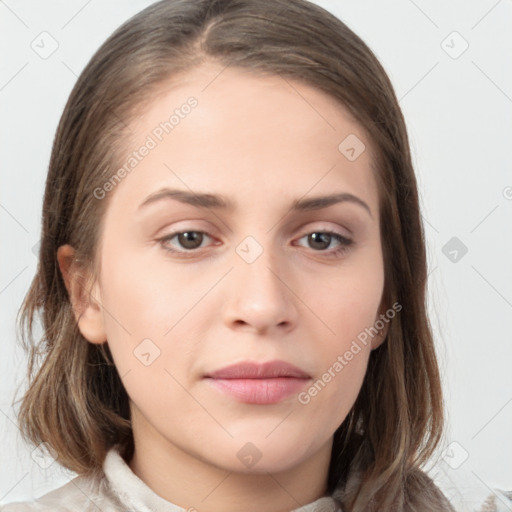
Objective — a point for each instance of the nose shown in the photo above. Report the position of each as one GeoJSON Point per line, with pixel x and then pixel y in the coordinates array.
{"type": "Point", "coordinates": [260, 296]}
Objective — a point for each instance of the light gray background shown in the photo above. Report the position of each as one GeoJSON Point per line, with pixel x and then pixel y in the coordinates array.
{"type": "Point", "coordinates": [458, 108]}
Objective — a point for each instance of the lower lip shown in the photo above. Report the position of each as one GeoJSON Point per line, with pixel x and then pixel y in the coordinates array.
{"type": "Point", "coordinates": [260, 391]}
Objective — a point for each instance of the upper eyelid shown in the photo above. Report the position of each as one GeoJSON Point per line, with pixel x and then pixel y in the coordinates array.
{"type": "Point", "coordinates": [324, 227]}
{"type": "Point", "coordinates": [304, 232]}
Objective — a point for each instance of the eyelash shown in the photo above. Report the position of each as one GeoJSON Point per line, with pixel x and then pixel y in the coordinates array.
{"type": "Point", "coordinates": [345, 243]}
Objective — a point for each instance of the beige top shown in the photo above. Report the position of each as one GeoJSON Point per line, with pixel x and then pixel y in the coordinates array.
{"type": "Point", "coordinates": [121, 490]}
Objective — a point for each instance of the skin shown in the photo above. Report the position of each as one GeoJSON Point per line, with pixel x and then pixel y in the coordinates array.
{"type": "Point", "coordinates": [262, 142]}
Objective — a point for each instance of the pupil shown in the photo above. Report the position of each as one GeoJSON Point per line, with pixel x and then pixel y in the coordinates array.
{"type": "Point", "coordinates": [322, 238]}
{"type": "Point", "coordinates": [189, 239]}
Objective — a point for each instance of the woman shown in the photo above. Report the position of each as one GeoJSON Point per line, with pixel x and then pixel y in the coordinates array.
{"type": "Point", "coordinates": [232, 274]}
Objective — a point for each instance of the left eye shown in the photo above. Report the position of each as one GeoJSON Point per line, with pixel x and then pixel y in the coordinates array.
{"type": "Point", "coordinates": [322, 240]}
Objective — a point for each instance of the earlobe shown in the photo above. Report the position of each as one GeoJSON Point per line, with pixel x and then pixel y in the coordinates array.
{"type": "Point", "coordinates": [383, 325]}
{"type": "Point", "coordinates": [84, 301]}
{"type": "Point", "coordinates": [380, 338]}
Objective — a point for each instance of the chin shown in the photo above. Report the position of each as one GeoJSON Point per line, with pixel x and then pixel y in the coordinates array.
{"type": "Point", "coordinates": [259, 455]}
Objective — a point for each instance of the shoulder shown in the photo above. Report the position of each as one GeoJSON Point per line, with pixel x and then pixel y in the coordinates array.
{"type": "Point", "coordinates": [468, 493]}
{"type": "Point", "coordinates": [81, 494]}
{"type": "Point", "coordinates": [497, 501]}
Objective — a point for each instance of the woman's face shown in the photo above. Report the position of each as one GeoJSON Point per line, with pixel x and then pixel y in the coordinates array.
{"type": "Point", "coordinates": [250, 279]}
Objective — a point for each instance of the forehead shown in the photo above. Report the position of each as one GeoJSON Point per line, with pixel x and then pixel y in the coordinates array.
{"type": "Point", "coordinates": [248, 135]}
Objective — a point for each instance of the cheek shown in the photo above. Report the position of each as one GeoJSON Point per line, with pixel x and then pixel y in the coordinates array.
{"type": "Point", "coordinates": [147, 295]}
{"type": "Point", "coordinates": [155, 315]}
{"type": "Point", "coordinates": [349, 303]}
{"type": "Point", "coordinates": [333, 391]}
{"type": "Point", "coordinates": [138, 309]}
{"type": "Point", "coordinates": [348, 308]}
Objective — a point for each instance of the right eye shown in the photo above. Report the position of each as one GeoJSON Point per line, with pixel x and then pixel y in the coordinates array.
{"type": "Point", "coordinates": [189, 241]}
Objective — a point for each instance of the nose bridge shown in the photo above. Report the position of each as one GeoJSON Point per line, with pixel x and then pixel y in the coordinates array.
{"type": "Point", "coordinates": [260, 264]}
{"type": "Point", "coordinates": [260, 295]}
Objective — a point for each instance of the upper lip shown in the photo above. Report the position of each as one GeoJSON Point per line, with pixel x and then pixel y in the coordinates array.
{"type": "Point", "coordinates": [255, 370]}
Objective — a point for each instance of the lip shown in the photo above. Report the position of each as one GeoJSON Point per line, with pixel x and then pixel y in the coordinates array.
{"type": "Point", "coordinates": [259, 383]}
{"type": "Point", "coordinates": [255, 370]}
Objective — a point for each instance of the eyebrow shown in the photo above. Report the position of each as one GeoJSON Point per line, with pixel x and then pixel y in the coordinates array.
{"type": "Point", "coordinates": [219, 202]}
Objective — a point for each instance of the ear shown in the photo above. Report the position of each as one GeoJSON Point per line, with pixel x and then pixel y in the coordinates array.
{"type": "Point", "coordinates": [380, 337]}
{"type": "Point", "coordinates": [84, 301]}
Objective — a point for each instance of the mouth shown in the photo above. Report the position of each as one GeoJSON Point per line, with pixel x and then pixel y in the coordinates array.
{"type": "Point", "coordinates": [256, 383]}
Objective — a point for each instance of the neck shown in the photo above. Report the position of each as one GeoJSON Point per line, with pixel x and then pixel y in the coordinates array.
{"type": "Point", "coordinates": [194, 484]}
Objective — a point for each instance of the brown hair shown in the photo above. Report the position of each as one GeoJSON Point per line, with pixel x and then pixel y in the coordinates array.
{"type": "Point", "coordinates": [75, 402]}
